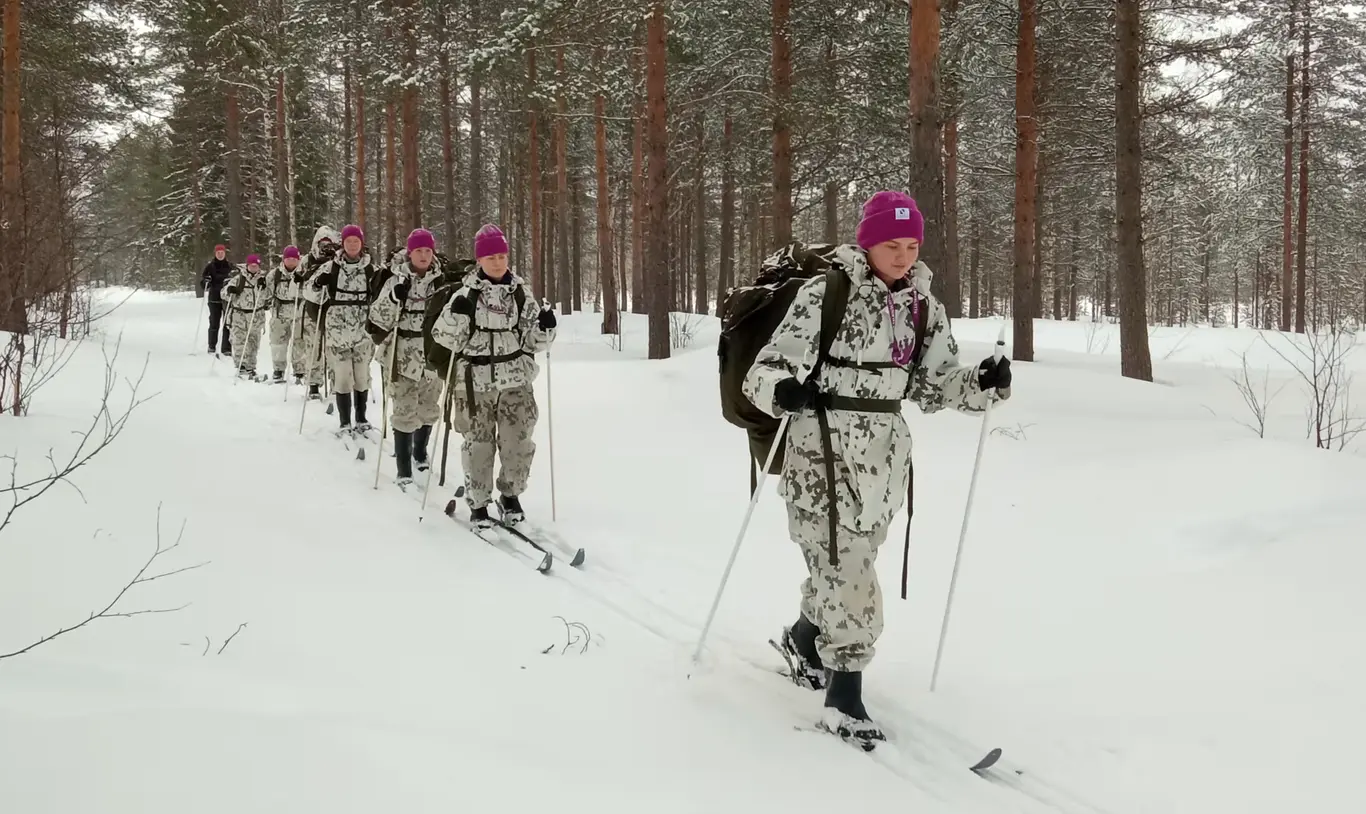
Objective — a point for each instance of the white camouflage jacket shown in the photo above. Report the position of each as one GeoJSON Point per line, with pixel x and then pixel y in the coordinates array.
{"type": "Point", "coordinates": [386, 312]}
{"type": "Point", "coordinates": [503, 340]}
{"type": "Point", "coordinates": [872, 450]}
{"type": "Point", "coordinates": [248, 294]}
{"type": "Point", "coordinates": [285, 290]}
{"type": "Point", "coordinates": [347, 309]}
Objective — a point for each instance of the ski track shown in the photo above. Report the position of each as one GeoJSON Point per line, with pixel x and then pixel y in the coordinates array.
{"type": "Point", "coordinates": [736, 682]}
{"type": "Point", "coordinates": [918, 751]}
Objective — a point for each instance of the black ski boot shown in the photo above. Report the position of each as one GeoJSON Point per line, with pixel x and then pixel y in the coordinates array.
{"type": "Point", "coordinates": [298, 378]}
{"type": "Point", "coordinates": [510, 509]}
{"type": "Point", "coordinates": [844, 714]}
{"type": "Point", "coordinates": [314, 393]}
{"type": "Point", "coordinates": [420, 437]}
{"type": "Point", "coordinates": [480, 517]}
{"type": "Point", "coordinates": [798, 647]}
{"type": "Point", "coordinates": [344, 412]}
{"type": "Point", "coordinates": [403, 457]}
{"type": "Point", "coordinates": [360, 397]}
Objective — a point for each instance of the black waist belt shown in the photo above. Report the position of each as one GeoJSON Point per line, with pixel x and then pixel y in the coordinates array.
{"type": "Point", "coordinates": [250, 310]}
{"type": "Point", "coordinates": [870, 366]}
{"type": "Point", "coordinates": [471, 361]}
{"type": "Point", "coordinates": [407, 334]}
{"type": "Point", "coordinates": [826, 401]}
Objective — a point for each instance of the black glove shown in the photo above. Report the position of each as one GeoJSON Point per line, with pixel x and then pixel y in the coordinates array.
{"type": "Point", "coordinates": [461, 304]}
{"type": "Point", "coordinates": [232, 291]}
{"type": "Point", "coordinates": [992, 374]}
{"type": "Point", "coordinates": [326, 280]}
{"type": "Point", "coordinates": [261, 281]}
{"type": "Point", "coordinates": [791, 395]}
{"type": "Point", "coordinates": [377, 334]}
{"type": "Point", "coordinates": [401, 291]}
{"type": "Point", "coordinates": [545, 320]}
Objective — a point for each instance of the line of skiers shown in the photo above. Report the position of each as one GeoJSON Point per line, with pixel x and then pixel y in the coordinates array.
{"type": "Point", "coordinates": [817, 357]}
{"type": "Point", "coordinates": [467, 328]}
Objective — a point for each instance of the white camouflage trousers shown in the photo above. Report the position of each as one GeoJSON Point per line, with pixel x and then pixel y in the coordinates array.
{"type": "Point", "coordinates": [351, 367]}
{"type": "Point", "coordinates": [313, 367]}
{"type": "Point", "coordinates": [281, 326]}
{"type": "Point", "coordinates": [844, 601]}
{"type": "Point", "coordinates": [417, 403]}
{"type": "Point", "coordinates": [502, 423]}
{"type": "Point", "coordinates": [246, 346]}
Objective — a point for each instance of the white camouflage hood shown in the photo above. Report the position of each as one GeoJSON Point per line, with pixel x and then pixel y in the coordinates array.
{"type": "Point", "coordinates": [325, 232]}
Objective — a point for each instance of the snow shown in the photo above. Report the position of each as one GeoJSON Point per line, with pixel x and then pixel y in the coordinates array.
{"type": "Point", "coordinates": [1157, 611]}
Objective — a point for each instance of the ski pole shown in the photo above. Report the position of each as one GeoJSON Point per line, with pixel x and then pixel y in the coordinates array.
{"type": "Point", "coordinates": [384, 399]}
{"type": "Point", "coordinates": [317, 360]}
{"type": "Point", "coordinates": [996, 354]}
{"type": "Point", "coordinates": [778, 439]}
{"type": "Point", "coordinates": [203, 303]}
{"type": "Point", "coordinates": [446, 412]}
{"type": "Point", "coordinates": [550, 424]}
{"type": "Point", "coordinates": [296, 319]}
{"type": "Point", "coordinates": [251, 326]}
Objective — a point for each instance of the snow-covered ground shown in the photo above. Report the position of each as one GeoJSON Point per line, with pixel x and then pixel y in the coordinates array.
{"type": "Point", "coordinates": [1157, 610]}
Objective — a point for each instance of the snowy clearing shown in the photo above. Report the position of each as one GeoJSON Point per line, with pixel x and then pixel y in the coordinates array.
{"type": "Point", "coordinates": [1158, 611]}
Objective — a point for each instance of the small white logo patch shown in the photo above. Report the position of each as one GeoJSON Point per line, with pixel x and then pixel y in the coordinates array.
{"type": "Point", "coordinates": [903, 213]}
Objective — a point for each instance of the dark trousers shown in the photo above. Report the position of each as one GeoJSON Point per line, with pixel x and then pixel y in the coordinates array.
{"type": "Point", "coordinates": [216, 317]}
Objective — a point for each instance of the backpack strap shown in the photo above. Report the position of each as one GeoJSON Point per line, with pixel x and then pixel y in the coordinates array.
{"type": "Point", "coordinates": [519, 297]}
{"type": "Point", "coordinates": [833, 305]}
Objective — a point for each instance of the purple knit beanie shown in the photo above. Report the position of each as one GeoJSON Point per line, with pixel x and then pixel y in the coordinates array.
{"type": "Point", "coordinates": [421, 239]}
{"type": "Point", "coordinates": [290, 251]}
{"type": "Point", "coordinates": [253, 259]}
{"type": "Point", "coordinates": [889, 215]}
{"type": "Point", "coordinates": [489, 240]}
{"type": "Point", "coordinates": [352, 230]}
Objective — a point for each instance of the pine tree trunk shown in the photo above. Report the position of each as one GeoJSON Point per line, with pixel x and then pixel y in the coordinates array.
{"type": "Point", "coordinates": [726, 273]}
{"type": "Point", "coordinates": [782, 130]}
{"type": "Point", "coordinates": [412, 190]}
{"type": "Point", "coordinates": [450, 238]}
{"type": "Point", "coordinates": [640, 297]}
{"type": "Point", "coordinates": [830, 195]}
{"type": "Point", "coordinates": [974, 262]}
{"type": "Point", "coordinates": [657, 180]}
{"type": "Point", "coordinates": [576, 241]}
{"type": "Point", "coordinates": [565, 285]}
{"type": "Point", "coordinates": [1026, 186]}
{"type": "Point", "coordinates": [1287, 241]}
{"type": "Point", "coordinates": [953, 282]}
{"type": "Point", "coordinates": [14, 282]}
{"type": "Point", "coordinates": [534, 173]}
{"type": "Point", "coordinates": [927, 168]}
{"type": "Point", "coordinates": [1302, 238]}
{"type": "Point", "coordinates": [611, 317]}
{"type": "Point", "coordinates": [391, 197]}
{"type": "Point", "coordinates": [476, 175]}
{"type": "Point", "coordinates": [1074, 260]}
{"type": "Point", "coordinates": [701, 305]}
{"type": "Point", "coordinates": [349, 133]}
{"type": "Point", "coordinates": [1134, 354]}
{"type": "Point", "coordinates": [286, 234]}
{"type": "Point", "coordinates": [360, 156]}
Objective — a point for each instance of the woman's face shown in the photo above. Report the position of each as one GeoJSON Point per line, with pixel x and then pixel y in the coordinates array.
{"type": "Point", "coordinates": [893, 259]}
{"type": "Point", "coordinates": [494, 265]}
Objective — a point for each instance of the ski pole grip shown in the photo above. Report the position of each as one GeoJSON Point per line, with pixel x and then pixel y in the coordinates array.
{"type": "Point", "coordinates": [1000, 349]}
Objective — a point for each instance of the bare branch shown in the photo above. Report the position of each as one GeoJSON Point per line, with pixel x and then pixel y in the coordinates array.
{"type": "Point", "coordinates": [108, 612]}
{"type": "Point", "coordinates": [230, 638]}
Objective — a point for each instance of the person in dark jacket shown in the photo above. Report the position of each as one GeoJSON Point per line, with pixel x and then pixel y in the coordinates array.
{"type": "Point", "coordinates": [216, 273]}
